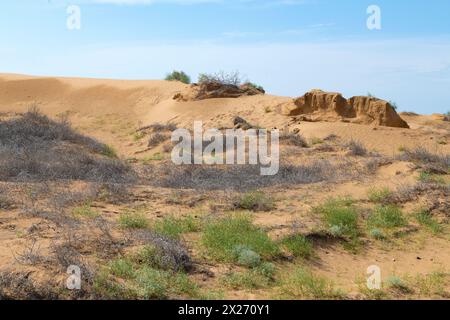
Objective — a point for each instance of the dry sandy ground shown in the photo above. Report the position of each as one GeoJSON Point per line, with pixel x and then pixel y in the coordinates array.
{"type": "Point", "coordinates": [112, 111]}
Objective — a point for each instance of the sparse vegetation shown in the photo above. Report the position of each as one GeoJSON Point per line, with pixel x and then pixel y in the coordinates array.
{"type": "Point", "coordinates": [257, 278]}
{"type": "Point", "coordinates": [85, 211]}
{"type": "Point", "coordinates": [230, 78]}
{"type": "Point", "coordinates": [254, 86]}
{"type": "Point", "coordinates": [156, 139]}
{"type": "Point", "coordinates": [356, 148]}
{"type": "Point", "coordinates": [379, 195]}
{"type": "Point", "coordinates": [178, 76]}
{"type": "Point", "coordinates": [255, 201]}
{"type": "Point", "coordinates": [221, 239]}
{"type": "Point", "coordinates": [37, 148]}
{"type": "Point", "coordinates": [298, 245]}
{"type": "Point", "coordinates": [431, 162]}
{"type": "Point", "coordinates": [426, 177]}
{"type": "Point", "coordinates": [388, 217]}
{"type": "Point", "coordinates": [340, 217]}
{"type": "Point", "coordinates": [303, 284]}
{"type": "Point", "coordinates": [294, 139]}
{"type": "Point", "coordinates": [173, 227]}
{"type": "Point", "coordinates": [426, 219]}
{"type": "Point", "coordinates": [133, 220]}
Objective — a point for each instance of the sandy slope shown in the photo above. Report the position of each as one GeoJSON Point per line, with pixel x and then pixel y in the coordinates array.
{"type": "Point", "coordinates": [112, 109]}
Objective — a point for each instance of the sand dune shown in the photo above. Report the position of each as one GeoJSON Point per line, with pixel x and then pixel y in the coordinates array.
{"type": "Point", "coordinates": [127, 105]}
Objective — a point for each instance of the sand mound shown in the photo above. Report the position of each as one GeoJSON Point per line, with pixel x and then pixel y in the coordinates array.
{"type": "Point", "coordinates": [440, 117]}
{"type": "Point", "coordinates": [318, 105]}
{"type": "Point", "coordinates": [213, 90]}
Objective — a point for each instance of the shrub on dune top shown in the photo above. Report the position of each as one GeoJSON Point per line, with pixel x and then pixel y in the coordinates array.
{"type": "Point", "coordinates": [178, 76]}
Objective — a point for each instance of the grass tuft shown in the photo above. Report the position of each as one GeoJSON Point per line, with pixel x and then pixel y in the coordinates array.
{"type": "Point", "coordinates": [222, 237]}
{"type": "Point", "coordinates": [387, 217]}
{"type": "Point", "coordinates": [255, 201]}
{"type": "Point", "coordinates": [133, 221]}
{"type": "Point", "coordinates": [303, 284]}
{"type": "Point", "coordinates": [298, 246]}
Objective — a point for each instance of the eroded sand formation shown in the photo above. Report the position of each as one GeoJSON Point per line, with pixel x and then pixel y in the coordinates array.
{"type": "Point", "coordinates": [318, 105]}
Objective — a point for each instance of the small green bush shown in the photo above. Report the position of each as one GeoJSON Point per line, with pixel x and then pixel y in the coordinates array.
{"type": "Point", "coordinates": [247, 257]}
{"type": "Point", "coordinates": [133, 221]}
{"type": "Point", "coordinates": [340, 217]}
{"type": "Point", "coordinates": [303, 284]}
{"type": "Point", "coordinates": [174, 227]}
{"type": "Point", "coordinates": [178, 76]}
{"type": "Point", "coordinates": [109, 152]}
{"type": "Point", "coordinates": [377, 234]}
{"type": "Point", "coordinates": [85, 211]}
{"type": "Point", "coordinates": [425, 218]}
{"type": "Point", "coordinates": [298, 246]}
{"type": "Point", "coordinates": [255, 201]}
{"type": "Point", "coordinates": [222, 237]}
{"type": "Point", "coordinates": [122, 268]}
{"type": "Point", "coordinates": [387, 217]}
{"type": "Point", "coordinates": [379, 195]}
{"type": "Point", "coordinates": [254, 86]}
{"type": "Point", "coordinates": [153, 284]}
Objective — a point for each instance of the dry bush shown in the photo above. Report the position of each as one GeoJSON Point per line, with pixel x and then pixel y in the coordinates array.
{"type": "Point", "coordinates": [30, 255]}
{"type": "Point", "coordinates": [169, 254]}
{"type": "Point", "coordinates": [156, 139]}
{"type": "Point", "coordinates": [19, 286]}
{"type": "Point", "coordinates": [294, 140]}
{"type": "Point", "coordinates": [431, 162]}
{"type": "Point", "coordinates": [35, 148]}
{"type": "Point", "coordinates": [356, 148]}
{"type": "Point", "coordinates": [240, 177]}
{"type": "Point", "coordinates": [221, 77]}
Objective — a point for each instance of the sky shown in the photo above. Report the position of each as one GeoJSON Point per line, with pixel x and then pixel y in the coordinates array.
{"type": "Point", "coordinates": [287, 46]}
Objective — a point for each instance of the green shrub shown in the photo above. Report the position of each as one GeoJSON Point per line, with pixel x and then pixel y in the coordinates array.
{"type": "Point", "coordinates": [178, 76]}
{"type": "Point", "coordinates": [377, 234]}
{"type": "Point", "coordinates": [298, 246]}
{"type": "Point", "coordinates": [174, 227]}
{"type": "Point", "coordinates": [255, 201]}
{"type": "Point", "coordinates": [254, 86]}
{"type": "Point", "coordinates": [431, 178]}
{"type": "Point", "coordinates": [387, 217]}
{"type": "Point", "coordinates": [85, 211]}
{"type": "Point", "coordinates": [425, 218]}
{"type": "Point", "coordinates": [109, 152]}
{"type": "Point", "coordinates": [303, 284]}
{"type": "Point", "coordinates": [259, 277]}
{"type": "Point", "coordinates": [107, 287]}
{"type": "Point", "coordinates": [122, 268]}
{"type": "Point", "coordinates": [340, 217]}
{"type": "Point", "coordinates": [250, 279]}
{"type": "Point", "coordinates": [153, 284]}
{"type": "Point", "coordinates": [394, 282]}
{"type": "Point", "coordinates": [133, 221]}
{"type": "Point", "coordinates": [222, 237]}
{"type": "Point", "coordinates": [379, 195]}
{"type": "Point", "coordinates": [247, 257]}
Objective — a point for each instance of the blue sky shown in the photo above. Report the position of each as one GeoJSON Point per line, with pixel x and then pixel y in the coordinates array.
{"type": "Point", "coordinates": [288, 46]}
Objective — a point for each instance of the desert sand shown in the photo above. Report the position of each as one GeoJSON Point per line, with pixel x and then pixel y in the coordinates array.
{"type": "Point", "coordinates": [112, 111]}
